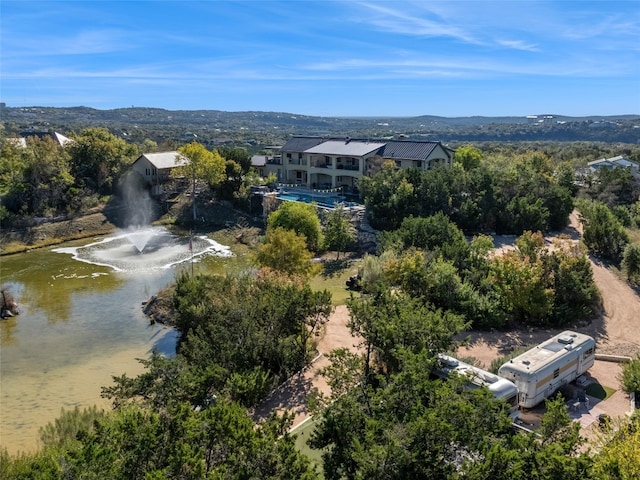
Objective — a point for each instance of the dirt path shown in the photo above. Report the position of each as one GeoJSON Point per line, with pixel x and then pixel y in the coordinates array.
{"type": "Point", "coordinates": [292, 394]}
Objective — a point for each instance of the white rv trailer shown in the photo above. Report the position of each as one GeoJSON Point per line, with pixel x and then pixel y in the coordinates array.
{"type": "Point", "coordinates": [542, 370]}
{"type": "Point", "coordinates": [500, 387]}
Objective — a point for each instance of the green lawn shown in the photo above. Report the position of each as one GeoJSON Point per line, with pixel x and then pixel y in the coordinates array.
{"type": "Point", "coordinates": [304, 431]}
{"type": "Point", "coordinates": [334, 277]}
{"type": "Point", "coordinates": [599, 391]}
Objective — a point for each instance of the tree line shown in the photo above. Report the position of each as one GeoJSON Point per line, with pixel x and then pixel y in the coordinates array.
{"type": "Point", "coordinates": [46, 179]}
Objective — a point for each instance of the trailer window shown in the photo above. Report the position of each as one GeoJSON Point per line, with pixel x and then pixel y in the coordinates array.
{"type": "Point", "coordinates": [588, 353]}
{"type": "Point", "coordinates": [556, 373]}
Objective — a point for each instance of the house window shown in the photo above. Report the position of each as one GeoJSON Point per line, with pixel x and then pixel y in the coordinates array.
{"type": "Point", "coordinates": [288, 155]}
{"type": "Point", "coordinates": [147, 172]}
{"type": "Point", "coordinates": [398, 163]}
{"type": "Point", "coordinates": [299, 156]}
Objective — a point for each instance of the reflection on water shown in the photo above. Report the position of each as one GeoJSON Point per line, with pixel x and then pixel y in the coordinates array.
{"type": "Point", "coordinates": [79, 325]}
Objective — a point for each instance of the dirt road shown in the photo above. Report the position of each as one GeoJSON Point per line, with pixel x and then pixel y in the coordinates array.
{"type": "Point", "coordinates": [292, 394]}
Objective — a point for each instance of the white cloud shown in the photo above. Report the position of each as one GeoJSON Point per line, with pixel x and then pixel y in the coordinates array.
{"type": "Point", "coordinates": [408, 22]}
{"type": "Point", "coordinates": [519, 45]}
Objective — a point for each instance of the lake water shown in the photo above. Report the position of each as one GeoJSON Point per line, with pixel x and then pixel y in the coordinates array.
{"type": "Point", "coordinates": [79, 325]}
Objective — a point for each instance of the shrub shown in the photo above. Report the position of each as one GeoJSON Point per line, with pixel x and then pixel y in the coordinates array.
{"type": "Point", "coordinates": [631, 262]}
{"type": "Point", "coordinates": [630, 376]}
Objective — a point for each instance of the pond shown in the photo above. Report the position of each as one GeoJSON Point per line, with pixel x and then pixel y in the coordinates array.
{"type": "Point", "coordinates": [80, 324]}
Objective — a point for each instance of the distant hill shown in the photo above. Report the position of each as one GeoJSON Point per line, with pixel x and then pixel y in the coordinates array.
{"type": "Point", "coordinates": [254, 127]}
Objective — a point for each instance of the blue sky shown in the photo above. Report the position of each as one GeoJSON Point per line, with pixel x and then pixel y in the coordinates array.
{"type": "Point", "coordinates": [327, 58]}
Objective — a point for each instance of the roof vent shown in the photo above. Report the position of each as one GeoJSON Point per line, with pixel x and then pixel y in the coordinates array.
{"type": "Point", "coordinates": [565, 339]}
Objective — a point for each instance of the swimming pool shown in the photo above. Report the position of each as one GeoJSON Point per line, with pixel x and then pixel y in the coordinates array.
{"type": "Point", "coordinates": [322, 200]}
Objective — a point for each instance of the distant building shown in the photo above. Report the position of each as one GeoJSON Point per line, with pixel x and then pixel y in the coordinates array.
{"type": "Point", "coordinates": [59, 138]}
{"type": "Point", "coordinates": [330, 163]}
{"type": "Point", "coordinates": [615, 162]}
{"type": "Point", "coordinates": [155, 168]}
{"type": "Point", "coordinates": [258, 163]}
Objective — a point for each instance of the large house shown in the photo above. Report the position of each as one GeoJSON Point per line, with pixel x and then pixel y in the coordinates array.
{"type": "Point", "coordinates": [615, 162]}
{"type": "Point", "coordinates": [331, 163]}
{"type": "Point", "coordinates": [155, 168]}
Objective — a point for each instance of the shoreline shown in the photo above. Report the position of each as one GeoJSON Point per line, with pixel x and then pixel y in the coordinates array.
{"type": "Point", "coordinates": [54, 233]}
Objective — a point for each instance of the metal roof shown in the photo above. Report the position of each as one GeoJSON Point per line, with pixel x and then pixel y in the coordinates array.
{"type": "Point", "coordinates": [408, 149]}
{"type": "Point", "coordinates": [57, 137]}
{"type": "Point", "coordinates": [300, 144]}
{"type": "Point", "coordinates": [353, 148]}
{"type": "Point", "coordinates": [546, 352]}
{"type": "Point", "coordinates": [399, 149]}
{"type": "Point", "coordinates": [165, 159]}
{"type": "Point", "coordinates": [259, 160]}
{"type": "Point", "coordinates": [618, 161]}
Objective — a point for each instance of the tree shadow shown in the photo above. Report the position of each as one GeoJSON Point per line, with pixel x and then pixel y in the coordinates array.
{"type": "Point", "coordinates": [290, 396]}
{"type": "Point", "coordinates": [520, 336]}
{"type": "Point", "coordinates": [333, 268]}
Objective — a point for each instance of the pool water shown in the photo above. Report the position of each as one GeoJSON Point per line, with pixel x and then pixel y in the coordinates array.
{"type": "Point", "coordinates": [322, 200]}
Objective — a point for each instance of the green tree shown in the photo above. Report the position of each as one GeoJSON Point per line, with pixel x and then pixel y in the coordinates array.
{"type": "Point", "coordinates": [66, 427]}
{"type": "Point", "coordinates": [11, 165]}
{"type": "Point", "coordinates": [36, 180]}
{"type": "Point", "coordinates": [237, 155]}
{"type": "Point", "coordinates": [630, 376]}
{"type": "Point", "coordinates": [618, 452]}
{"type": "Point", "coordinates": [389, 197]}
{"type": "Point", "coordinates": [576, 296]}
{"type": "Point", "coordinates": [301, 218]}
{"type": "Point", "coordinates": [614, 186]}
{"type": "Point", "coordinates": [525, 213]}
{"type": "Point", "coordinates": [286, 251]}
{"type": "Point", "coordinates": [631, 262]}
{"type": "Point", "coordinates": [602, 232]}
{"type": "Point", "coordinates": [220, 441]}
{"type": "Point", "coordinates": [523, 287]}
{"type": "Point", "coordinates": [436, 233]}
{"type": "Point", "coordinates": [339, 232]}
{"type": "Point", "coordinates": [98, 158]}
{"type": "Point", "coordinates": [46, 176]}
{"type": "Point", "coordinates": [468, 156]}
{"type": "Point", "coordinates": [392, 324]}
{"type": "Point", "coordinates": [407, 426]}
{"type": "Point", "coordinates": [565, 175]}
{"type": "Point", "coordinates": [234, 177]}
{"type": "Point", "coordinates": [202, 165]}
